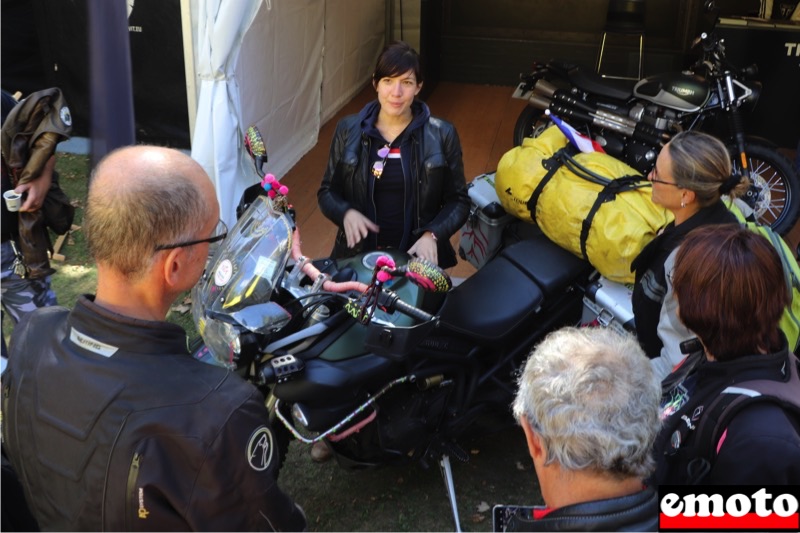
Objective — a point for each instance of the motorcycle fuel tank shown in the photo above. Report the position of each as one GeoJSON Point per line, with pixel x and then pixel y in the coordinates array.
{"type": "Point", "coordinates": [677, 90]}
{"type": "Point", "coordinates": [351, 343]}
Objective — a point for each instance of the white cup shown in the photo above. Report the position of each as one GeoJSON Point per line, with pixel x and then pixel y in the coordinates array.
{"type": "Point", "coordinates": [13, 200]}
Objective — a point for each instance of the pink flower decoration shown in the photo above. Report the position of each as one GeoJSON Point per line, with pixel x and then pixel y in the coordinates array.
{"type": "Point", "coordinates": [385, 261]}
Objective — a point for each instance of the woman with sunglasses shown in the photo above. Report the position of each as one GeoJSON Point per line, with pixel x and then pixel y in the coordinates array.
{"type": "Point", "coordinates": [395, 176]}
{"type": "Point", "coordinates": [691, 174]}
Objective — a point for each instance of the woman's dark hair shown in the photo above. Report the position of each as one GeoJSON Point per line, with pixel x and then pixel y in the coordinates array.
{"type": "Point", "coordinates": [731, 290]}
{"type": "Point", "coordinates": [397, 58]}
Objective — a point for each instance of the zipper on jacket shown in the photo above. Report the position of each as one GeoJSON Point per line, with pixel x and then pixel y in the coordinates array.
{"type": "Point", "coordinates": [416, 182]}
{"type": "Point", "coordinates": [408, 240]}
{"type": "Point", "coordinates": [132, 497]}
{"type": "Point", "coordinates": [370, 190]}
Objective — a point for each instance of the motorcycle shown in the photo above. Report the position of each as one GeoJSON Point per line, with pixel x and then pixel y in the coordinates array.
{"type": "Point", "coordinates": [378, 355]}
{"type": "Point", "coordinates": [633, 121]}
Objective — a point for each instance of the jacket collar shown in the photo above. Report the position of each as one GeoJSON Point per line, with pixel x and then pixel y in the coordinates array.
{"type": "Point", "coordinates": [369, 114]}
{"type": "Point", "coordinates": [636, 512]}
{"type": "Point", "coordinates": [715, 213]}
{"type": "Point", "coordinates": [113, 332]}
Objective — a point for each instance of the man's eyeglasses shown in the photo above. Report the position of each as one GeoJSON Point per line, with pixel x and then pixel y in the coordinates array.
{"type": "Point", "coordinates": [220, 232]}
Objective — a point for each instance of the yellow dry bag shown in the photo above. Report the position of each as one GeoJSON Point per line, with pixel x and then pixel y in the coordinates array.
{"type": "Point", "coordinates": [591, 204]}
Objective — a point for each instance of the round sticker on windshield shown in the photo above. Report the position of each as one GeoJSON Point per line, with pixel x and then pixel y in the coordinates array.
{"type": "Point", "coordinates": [224, 272]}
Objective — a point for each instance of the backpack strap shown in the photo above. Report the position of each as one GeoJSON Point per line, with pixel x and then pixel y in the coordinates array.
{"type": "Point", "coordinates": [731, 400]}
{"type": "Point", "coordinates": [790, 273]}
{"type": "Point", "coordinates": [790, 321]}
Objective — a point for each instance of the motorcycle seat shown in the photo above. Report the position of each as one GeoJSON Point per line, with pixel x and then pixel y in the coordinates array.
{"type": "Point", "coordinates": [508, 290]}
{"type": "Point", "coordinates": [592, 82]}
{"type": "Point", "coordinates": [551, 266]}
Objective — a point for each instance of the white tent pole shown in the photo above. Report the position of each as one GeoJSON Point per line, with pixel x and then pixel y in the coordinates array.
{"type": "Point", "coordinates": [188, 62]}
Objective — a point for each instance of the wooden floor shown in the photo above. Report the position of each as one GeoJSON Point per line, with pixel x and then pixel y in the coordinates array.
{"type": "Point", "coordinates": [484, 116]}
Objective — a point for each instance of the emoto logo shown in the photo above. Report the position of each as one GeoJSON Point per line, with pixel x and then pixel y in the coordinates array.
{"type": "Point", "coordinates": [709, 508]}
{"type": "Point", "coordinates": [259, 449]}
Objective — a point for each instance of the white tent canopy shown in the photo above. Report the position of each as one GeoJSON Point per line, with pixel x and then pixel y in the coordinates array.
{"type": "Point", "coordinates": [283, 65]}
{"type": "Point", "coordinates": [216, 139]}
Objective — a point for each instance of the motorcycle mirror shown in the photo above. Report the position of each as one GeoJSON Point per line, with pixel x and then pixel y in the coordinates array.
{"type": "Point", "coordinates": [428, 276]}
{"type": "Point", "coordinates": [254, 143]}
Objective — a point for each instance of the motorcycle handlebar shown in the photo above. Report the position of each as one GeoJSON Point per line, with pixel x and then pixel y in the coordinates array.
{"type": "Point", "coordinates": [313, 272]}
{"type": "Point", "coordinates": [392, 302]}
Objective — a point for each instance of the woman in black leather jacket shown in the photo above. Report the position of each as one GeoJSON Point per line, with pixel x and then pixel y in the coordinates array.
{"type": "Point", "coordinates": [395, 176]}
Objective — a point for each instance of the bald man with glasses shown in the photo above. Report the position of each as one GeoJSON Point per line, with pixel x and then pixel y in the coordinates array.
{"type": "Point", "coordinates": [107, 419]}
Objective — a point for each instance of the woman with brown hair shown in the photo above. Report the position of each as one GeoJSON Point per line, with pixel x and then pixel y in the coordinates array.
{"type": "Point", "coordinates": [692, 173]}
{"type": "Point", "coordinates": [731, 290]}
{"type": "Point", "coordinates": [395, 175]}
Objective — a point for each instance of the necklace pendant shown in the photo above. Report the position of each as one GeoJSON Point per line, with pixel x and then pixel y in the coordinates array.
{"type": "Point", "coordinates": [377, 166]}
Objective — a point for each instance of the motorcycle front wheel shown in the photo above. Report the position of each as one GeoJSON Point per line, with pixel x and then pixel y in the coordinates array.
{"type": "Point", "coordinates": [530, 123]}
{"type": "Point", "coordinates": [778, 203]}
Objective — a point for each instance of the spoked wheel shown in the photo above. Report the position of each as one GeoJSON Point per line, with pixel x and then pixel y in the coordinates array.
{"type": "Point", "coordinates": [778, 201]}
{"type": "Point", "coordinates": [531, 123]}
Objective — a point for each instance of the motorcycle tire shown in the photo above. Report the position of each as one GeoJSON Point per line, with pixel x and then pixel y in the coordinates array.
{"type": "Point", "coordinates": [530, 123]}
{"type": "Point", "coordinates": [772, 171]}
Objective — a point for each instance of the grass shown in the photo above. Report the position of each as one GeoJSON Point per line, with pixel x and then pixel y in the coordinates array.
{"type": "Point", "coordinates": [401, 498]}
{"type": "Point", "coordinates": [412, 498]}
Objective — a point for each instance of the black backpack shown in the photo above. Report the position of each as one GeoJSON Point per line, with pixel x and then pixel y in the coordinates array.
{"type": "Point", "coordinates": [729, 401]}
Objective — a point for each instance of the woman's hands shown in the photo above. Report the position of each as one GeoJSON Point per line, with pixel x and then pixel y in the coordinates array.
{"type": "Point", "coordinates": [357, 227]}
{"type": "Point", "coordinates": [426, 248]}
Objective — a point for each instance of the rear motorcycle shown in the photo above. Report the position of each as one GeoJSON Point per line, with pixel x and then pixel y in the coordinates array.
{"type": "Point", "coordinates": [633, 121]}
{"type": "Point", "coordinates": [377, 354]}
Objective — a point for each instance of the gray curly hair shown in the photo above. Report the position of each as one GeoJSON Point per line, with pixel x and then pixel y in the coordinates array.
{"type": "Point", "coordinates": [591, 396]}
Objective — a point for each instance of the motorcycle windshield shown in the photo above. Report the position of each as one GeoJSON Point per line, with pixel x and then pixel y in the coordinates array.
{"type": "Point", "coordinates": [245, 270]}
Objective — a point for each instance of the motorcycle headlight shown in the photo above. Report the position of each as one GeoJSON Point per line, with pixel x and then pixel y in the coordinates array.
{"type": "Point", "coordinates": [222, 341]}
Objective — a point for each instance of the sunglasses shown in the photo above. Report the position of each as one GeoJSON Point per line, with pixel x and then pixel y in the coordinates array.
{"type": "Point", "coordinates": [220, 232]}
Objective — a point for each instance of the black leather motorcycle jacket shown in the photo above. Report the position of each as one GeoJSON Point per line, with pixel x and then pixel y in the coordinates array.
{"type": "Point", "coordinates": [436, 172]}
{"type": "Point", "coordinates": [637, 512]}
{"type": "Point", "coordinates": [111, 425]}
